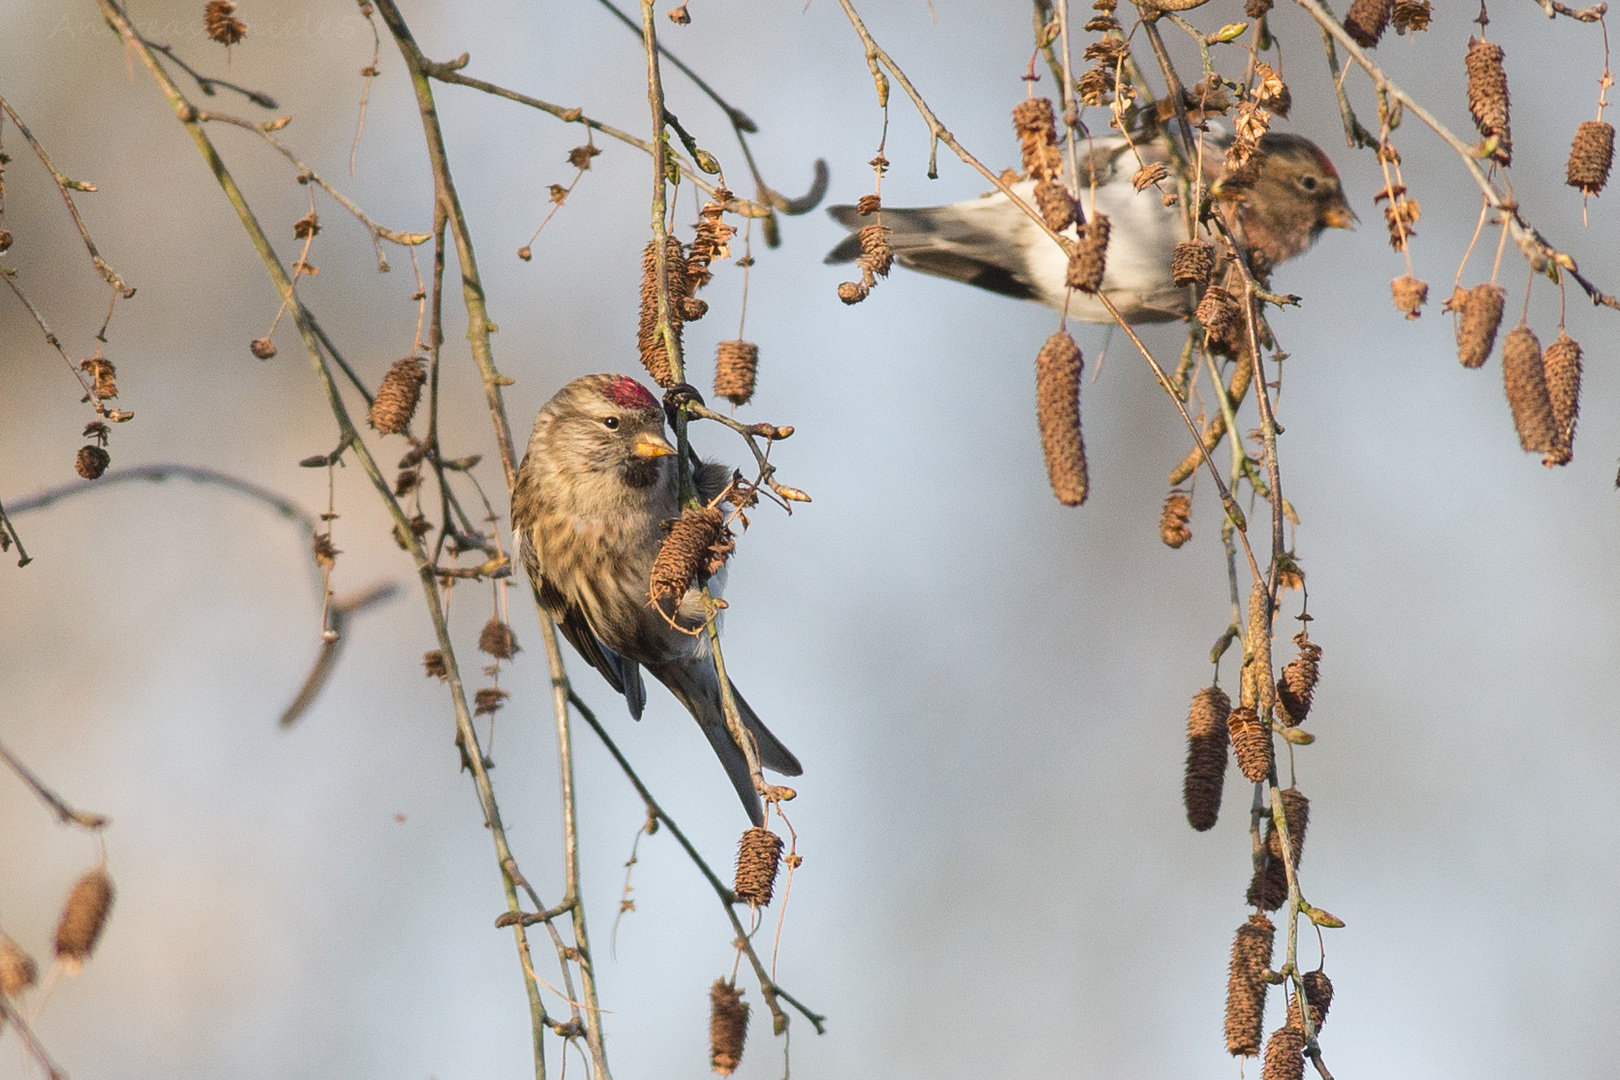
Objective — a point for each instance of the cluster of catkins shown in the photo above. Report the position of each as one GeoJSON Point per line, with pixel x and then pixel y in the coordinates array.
{"type": "Point", "coordinates": [1216, 730]}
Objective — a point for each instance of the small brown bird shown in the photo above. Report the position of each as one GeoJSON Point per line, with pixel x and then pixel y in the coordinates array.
{"type": "Point", "coordinates": [597, 483]}
{"type": "Point", "coordinates": [989, 242]}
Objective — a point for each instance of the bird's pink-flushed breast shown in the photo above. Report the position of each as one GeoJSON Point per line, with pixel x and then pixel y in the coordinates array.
{"type": "Point", "coordinates": [626, 393]}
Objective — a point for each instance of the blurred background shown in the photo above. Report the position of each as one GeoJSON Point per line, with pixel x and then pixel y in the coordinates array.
{"type": "Point", "coordinates": [988, 691]}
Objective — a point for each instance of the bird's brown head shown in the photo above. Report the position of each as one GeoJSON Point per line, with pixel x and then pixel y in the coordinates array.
{"type": "Point", "coordinates": [605, 423]}
{"type": "Point", "coordinates": [1283, 206]}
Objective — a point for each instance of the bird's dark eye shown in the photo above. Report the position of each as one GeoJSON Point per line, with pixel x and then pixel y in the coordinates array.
{"type": "Point", "coordinates": [1308, 183]}
{"type": "Point", "coordinates": [611, 423]}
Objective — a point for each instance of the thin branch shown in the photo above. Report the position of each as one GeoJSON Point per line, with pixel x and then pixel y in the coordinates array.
{"type": "Point", "coordinates": [451, 73]}
{"type": "Point", "coordinates": [448, 213]}
{"type": "Point", "coordinates": [64, 812]}
{"type": "Point", "coordinates": [186, 113]}
{"type": "Point", "coordinates": [768, 988]}
{"type": "Point", "coordinates": [36, 1049]}
{"type": "Point", "coordinates": [207, 83]}
{"type": "Point", "coordinates": [338, 614]}
{"type": "Point", "coordinates": [63, 184]}
{"type": "Point", "coordinates": [305, 173]}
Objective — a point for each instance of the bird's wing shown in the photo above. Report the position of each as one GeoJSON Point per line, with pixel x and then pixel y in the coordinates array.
{"type": "Point", "coordinates": [622, 674]}
{"type": "Point", "coordinates": [976, 242]}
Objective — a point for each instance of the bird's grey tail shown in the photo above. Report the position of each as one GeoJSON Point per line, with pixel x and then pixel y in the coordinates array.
{"type": "Point", "coordinates": [946, 242]}
{"type": "Point", "coordinates": [694, 683]}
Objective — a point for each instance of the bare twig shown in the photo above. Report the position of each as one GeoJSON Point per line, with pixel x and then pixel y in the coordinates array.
{"type": "Point", "coordinates": [768, 988]}
{"type": "Point", "coordinates": [64, 812]}
{"type": "Point", "coordinates": [63, 185]}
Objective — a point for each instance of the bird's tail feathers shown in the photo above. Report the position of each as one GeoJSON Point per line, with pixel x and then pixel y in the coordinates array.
{"type": "Point", "coordinates": [693, 682]}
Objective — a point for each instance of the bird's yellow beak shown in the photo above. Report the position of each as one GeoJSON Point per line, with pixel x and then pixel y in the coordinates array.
{"type": "Point", "coordinates": [652, 445]}
{"type": "Point", "coordinates": [1340, 216]}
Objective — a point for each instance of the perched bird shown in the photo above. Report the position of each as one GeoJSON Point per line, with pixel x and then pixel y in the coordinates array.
{"type": "Point", "coordinates": [1277, 212]}
{"type": "Point", "coordinates": [595, 486]}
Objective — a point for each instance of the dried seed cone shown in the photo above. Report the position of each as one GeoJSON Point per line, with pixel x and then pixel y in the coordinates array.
{"type": "Point", "coordinates": [654, 352]}
{"type": "Point", "coordinates": [1481, 315]}
{"type": "Point", "coordinates": [1090, 258]}
{"type": "Point", "coordinates": [1488, 95]}
{"type": "Point", "coordinates": [1561, 365]}
{"type": "Point", "coordinates": [876, 254]}
{"type": "Point", "coordinates": [1298, 682]}
{"type": "Point", "coordinates": [852, 292]}
{"type": "Point", "coordinates": [1285, 1055]}
{"type": "Point", "coordinates": [1036, 125]}
{"type": "Point", "coordinates": [92, 462]}
{"type": "Point", "coordinates": [1590, 156]}
{"type": "Point", "coordinates": [728, 1027]}
{"type": "Point", "coordinates": [1268, 888]}
{"type": "Point", "coordinates": [1193, 263]}
{"type": "Point", "coordinates": [1173, 528]}
{"type": "Point", "coordinates": [17, 969]}
{"type": "Point", "coordinates": [1410, 295]}
{"type": "Point", "coordinates": [1318, 995]}
{"type": "Point", "coordinates": [1251, 742]}
{"type": "Point", "coordinates": [1367, 19]}
{"type": "Point", "coordinates": [497, 640]}
{"type": "Point", "coordinates": [1246, 986]}
{"type": "Point", "coordinates": [684, 550]}
{"type": "Point", "coordinates": [758, 855]}
{"type": "Point", "coordinates": [1254, 9]}
{"type": "Point", "coordinates": [83, 917]}
{"type": "Point", "coordinates": [397, 397]}
{"type": "Point", "coordinates": [1219, 314]}
{"type": "Point", "coordinates": [1411, 16]}
{"type": "Point", "coordinates": [221, 23]}
{"type": "Point", "coordinates": [1055, 204]}
{"type": "Point", "coordinates": [1525, 380]}
{"type": "Point", "coordinates": [1057, 408]}
{"type": "Point", "coordinates": [1206, 757]}
{"type": "Point", "coordinates": [736, 363]}
{"type": "Point", "coordinates": [1257, 687]}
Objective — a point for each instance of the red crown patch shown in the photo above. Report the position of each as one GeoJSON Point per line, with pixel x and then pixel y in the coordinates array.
{"type": "Point", "coordinates": [626, 393]}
